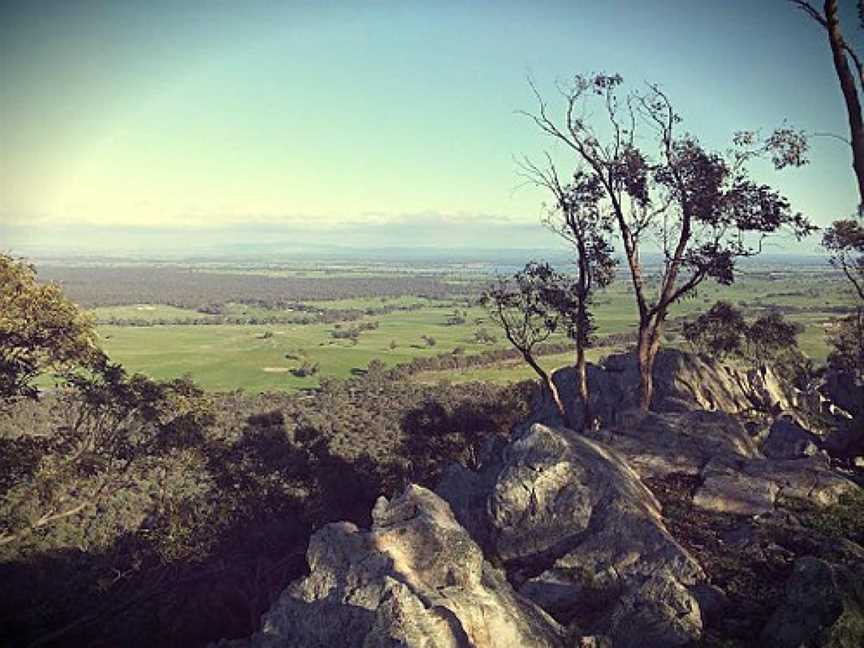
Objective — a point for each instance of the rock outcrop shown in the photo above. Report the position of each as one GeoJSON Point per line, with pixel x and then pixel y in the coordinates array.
{"type": "Point", "coordinates": [754, 487]}
{"type": "Point", "coordinates": [682, 382]}
{"type": "Point", "coordinates": [697, 430]}
{"type": "Point", "coordinates": [580, 535]}
{"type": "Point", "coordinates": [416, 579]}
{"type": "Point", "coordinates": [581, 552]}
{"type": "Point", "coordinates": [736, 475]}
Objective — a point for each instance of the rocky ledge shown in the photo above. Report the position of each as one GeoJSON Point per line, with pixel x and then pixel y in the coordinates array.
{"type": "Point", "coordinates": [563, 539]}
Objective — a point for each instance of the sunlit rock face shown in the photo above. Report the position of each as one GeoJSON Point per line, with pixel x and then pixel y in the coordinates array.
{"type": "Point", "coordinates": [415, 579]}
{"type": "Point", "coordinates": [580, 535]}
{"type": "Point", "coordinates": [682, 382]}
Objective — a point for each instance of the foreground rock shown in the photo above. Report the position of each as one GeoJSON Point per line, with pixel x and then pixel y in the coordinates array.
{"type": "Point", "coordinates": [585, 556]}
{"type": "Point", "coordinates": [824, 606]}
{"type": "Point", "coordinates": [416, 579]}
{"type": "Point", "coordinates": [581, 536]}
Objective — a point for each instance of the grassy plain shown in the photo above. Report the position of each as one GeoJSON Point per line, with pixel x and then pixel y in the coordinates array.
{"type": "Point", "coordinates": [246, 356]}
{"type": "Point", "coordinates": [241, 356]}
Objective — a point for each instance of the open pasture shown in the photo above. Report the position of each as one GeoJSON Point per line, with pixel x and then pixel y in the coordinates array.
{"type": "Point", "coordinates": [262, 357]}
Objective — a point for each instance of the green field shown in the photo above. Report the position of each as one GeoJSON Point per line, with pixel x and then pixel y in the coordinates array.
{"type": "Point", "coordinates": [253, 357]}
{"type": "Point", "coordinates": [235, 356]}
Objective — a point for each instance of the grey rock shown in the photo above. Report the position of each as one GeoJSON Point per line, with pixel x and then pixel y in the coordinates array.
{"type": "Point", "coordinates": [659, 612]}
{"type": "Point", "coordinates": [752, 487]}
{"type": "Point", "coordinates": [823, 607]}
{"type": "Point", "coordinates": [582, 536]}
{"type": "Point", "coordinates": [656, 444]}
{"type": "Point", "coordinates": [729, 490]}
{"type": "Point", "coordinates": [416, 579]}
{"type": "Point", "coordinates": [712, 600]}
{"type": "Point", "coordinates": [683, 381]}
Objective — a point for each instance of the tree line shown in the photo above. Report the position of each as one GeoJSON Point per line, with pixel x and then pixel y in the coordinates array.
{"type": "Point", "coordinates": [305, 314]}
{"type": "Point", "coordinates": [193, 289]}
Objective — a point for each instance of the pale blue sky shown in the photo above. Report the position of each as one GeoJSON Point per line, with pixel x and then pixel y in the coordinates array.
{"type": "Point", "coordinates": [187, 115]}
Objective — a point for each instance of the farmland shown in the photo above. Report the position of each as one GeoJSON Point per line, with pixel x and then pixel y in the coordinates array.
{"type": "Point", "coordinates": [204, 327]}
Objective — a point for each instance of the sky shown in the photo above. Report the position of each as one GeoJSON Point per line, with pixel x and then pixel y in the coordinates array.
{"type": "Point", "coordinates": [171, 123]}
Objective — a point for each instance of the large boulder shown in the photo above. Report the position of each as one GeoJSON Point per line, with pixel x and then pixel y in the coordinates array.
{"type": "Point", "coordinates": [581, 535]}
{"type": "Point", "coordinates": [682, 382]}
{"type": "Point", "coordinates": [823, 607]}
{"type": "Point", "coordinates": [416, 579]}
{"type": "Point", "coordinates": [841, 388]}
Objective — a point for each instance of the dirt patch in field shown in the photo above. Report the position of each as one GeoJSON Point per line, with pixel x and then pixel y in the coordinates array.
{"type": "Point", "coordinates": [276, 369]}
{"type": "Point", "coordinates": [148, 308]}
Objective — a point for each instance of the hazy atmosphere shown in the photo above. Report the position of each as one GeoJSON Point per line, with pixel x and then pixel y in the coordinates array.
{"type": "Point", "coordinates": [164, 125]}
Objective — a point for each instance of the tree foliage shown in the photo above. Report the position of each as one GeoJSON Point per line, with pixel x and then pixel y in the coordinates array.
{"type": "Point", "coordinates": [40, 330]}
{"type": "Point", "coordinates": [844, 242]}
{"type": "Point", "coordinates": [110, 422]}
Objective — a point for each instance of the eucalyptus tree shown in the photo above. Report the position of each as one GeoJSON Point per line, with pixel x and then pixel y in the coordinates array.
{"type": "Point", "coordinates": [845, 58]}
{"type": "Point", "coordinates": [699, 208]}
{"type": "Point", "coordinates": [844, 239]}
{"type": "Point", "coordinates": [524, 307]}
{"type": "Point", "coordinates": [576, 215]}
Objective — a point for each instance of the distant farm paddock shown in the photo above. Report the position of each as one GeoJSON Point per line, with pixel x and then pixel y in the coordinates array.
{"type": "Point", "coordinates": [252, 329]}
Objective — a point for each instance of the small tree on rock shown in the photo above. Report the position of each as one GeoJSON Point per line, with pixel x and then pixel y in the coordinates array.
{"type": "Point", "coordinates": [576, 216]}
{"type": "Point", "coordinates": [718, 332]}
{"type": "Point", "coordinates": [522, 307]}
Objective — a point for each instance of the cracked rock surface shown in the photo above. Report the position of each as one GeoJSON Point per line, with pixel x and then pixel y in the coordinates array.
{"type": "Point", "coordinates": [556, 541]}
{"type": "Point", "coordinates": [416, 579]}
{"type": "Point", "coordinates": [580, 535]}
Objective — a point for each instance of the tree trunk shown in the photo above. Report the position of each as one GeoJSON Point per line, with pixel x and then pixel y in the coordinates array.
{"type": "Point", "coordinates": [582, 386]}
{"type": "Point", "coordinates": [646, 352]}
{"type": "Point", "coordinates": [850, 93]}
{"type": "Point", "coordinates": [550, 386]}
{"type": "Point", "coordinates": [556, 397]}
